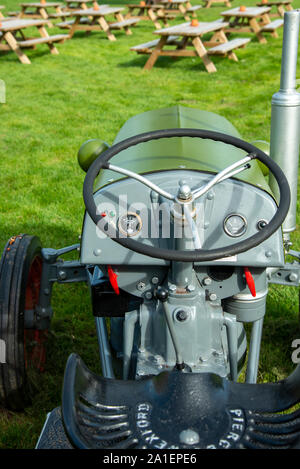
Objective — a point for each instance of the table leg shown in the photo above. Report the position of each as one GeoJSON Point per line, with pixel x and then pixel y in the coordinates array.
{"type": "Point", "coordinates": [44, 33]}
{"type": "Point", "coordinates": [120, 17]}
{"type": "Point", "coordinates": [155, 54]}
{"type": "Point", "coordinates": [9, 38]}
{"type": "Point", "coordinates": [189, 5]}
{"type": "Point", "coordinates": [105, 27]}
{"type": "Point", "coordinates": [256, 29]}
{"type": "Point", "coordinates": [202, 52]}
{"type": "Point", "coordinates": [74, 26]}
{"type": "Point", "coordinates": [266, 20]}
{"type": "Point", "coordinates": [182, 9]}
{"type": "Point", "coordinates": [22, 12]}
{"type": "Point", "coordinates": [43, 13]}
{"type": "Point", "coordinates": [153, 18]}
{"type": "Point", "coordinates": [280, 10]}
{"type": "Point", "coordinates": [218, 37]}
{"type": "Point", "coordinates": [129, 13]}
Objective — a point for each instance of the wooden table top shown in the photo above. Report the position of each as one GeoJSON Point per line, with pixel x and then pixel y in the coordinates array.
{"type": "Point", "coordinates": [177, 2]}
{"type": "Point", "coordinates": [103, 10]}
{"type": "Point", "coordinates": [251, 12]}
{"type": "Point", "coordinates": [14, 25]}
{"type": "Point", "coordinates": [153, 6]}
{"type": "Point", "coordinates": [278, 2]}
{"type": "Point", "coordinates": [41, 5]}
{"type": "Point", "coordinates": [185, 29]}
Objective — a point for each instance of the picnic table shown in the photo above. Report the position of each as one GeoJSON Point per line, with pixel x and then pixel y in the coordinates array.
{"type": "Point", "coordinates": [72, 5]}
{"type": "Point", "coordinates": [208, 3]}
{"type": "Point", "coordinates": [253, 19]}
{"type": "Point", "coordinates": [37, 10]}
{"type": "Point", "coordinates": [281, 6]}
{"type": "Point", "coordinates": [10, 30]}
{"type": "Point", "coordinates": [92, 19]}
{"type": "Point", "coordinates": [151, 11]}
{"type": "Point", "coordinates": [183, 7]}
{"type": "Point", "coordinates": [183, 36]}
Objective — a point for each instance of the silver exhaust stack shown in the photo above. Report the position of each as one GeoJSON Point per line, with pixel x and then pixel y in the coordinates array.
{"type": "Point", "coordinates": [285, 118]}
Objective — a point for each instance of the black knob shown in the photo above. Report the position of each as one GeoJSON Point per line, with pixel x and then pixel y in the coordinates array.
{"type": "Point", "coordinates": [162, 294]}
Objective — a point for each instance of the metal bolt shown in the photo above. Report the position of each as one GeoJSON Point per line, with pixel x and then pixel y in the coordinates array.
{"type": "Point", "coordinates": [141, 286]}
{"type": "Point", "coordinates": [182, 315]}
{"type": "Point", "coordinates": [97, 252]}
{"type": "Point", "coordinates": [191, 288]}
{"type": "Point", "coordinates": [293, 277]}
{"type": "Point", "coordinates": [212, 297]}
{"type": "Point", "coordinates": [268, 254]}
{"type": "Point", "coordinates": [261, 224]}
{"type": "Point", "coordinates": [189, 437]}
{"type": "Point", "coordinates": [172, 288]}
{"type": "Point", "coordinates": [155, 280]}
{"type": "Point", "coordinates": [148, 295]}
{"type": "Point", "coordinates": [184, 192]}
{"type": "Point", "coordinates": [207, 281]}
{"type": "Point", "coordinates": [210, 195]}
{"type": "Point", "coordinates": [62, 275]}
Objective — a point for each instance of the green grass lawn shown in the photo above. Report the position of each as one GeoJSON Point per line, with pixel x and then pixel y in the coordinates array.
{"type": "Point", "coordinates": [88, 91]}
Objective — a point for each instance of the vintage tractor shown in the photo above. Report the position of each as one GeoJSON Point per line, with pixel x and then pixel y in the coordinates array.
{"type": "Point", "coordinates": [186, 225]}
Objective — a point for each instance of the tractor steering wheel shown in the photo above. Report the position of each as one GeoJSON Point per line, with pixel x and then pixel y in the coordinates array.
{"type": "Point", "coordinates": [197, 255]}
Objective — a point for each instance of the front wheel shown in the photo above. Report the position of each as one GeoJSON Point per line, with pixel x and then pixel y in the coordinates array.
{"type": "Point", "coordinates": [24, 349]}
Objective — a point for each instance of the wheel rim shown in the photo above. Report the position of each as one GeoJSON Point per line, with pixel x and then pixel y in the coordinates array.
{"type": "Point", "coordinates": [34, 339]}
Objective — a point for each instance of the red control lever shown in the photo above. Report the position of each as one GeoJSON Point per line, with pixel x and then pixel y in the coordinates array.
{"type": "Point", "coordinates": [250, 281]}
{"type": "Point", "coordinates": [113, 279]}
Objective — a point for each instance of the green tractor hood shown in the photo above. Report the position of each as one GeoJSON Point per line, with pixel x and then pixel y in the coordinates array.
{"type": "Point", "coordinates": [179, 153]}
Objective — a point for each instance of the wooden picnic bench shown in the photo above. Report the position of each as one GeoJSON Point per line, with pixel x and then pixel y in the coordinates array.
{"type": "Point", "coordinates": [184, 36]}
{"type": "Point", "coordinates": [252, 20]}
{"type": "Point", "coordinates": [208, 3]}
{"type": "Point", "coordinates": [281, 6]}
{"type": "Point", "coordinates": [8, 40]}
{"type": "Point", "coordinates": [181, 7]}
{"type": "Point", "coordinates": [92, 19]}
{"type": "Point", "coordinates": [72, 5]}
{"type": "Point", "coordinates": [38, 10]}
{"type": "Point", "coordinates": [152, 12]}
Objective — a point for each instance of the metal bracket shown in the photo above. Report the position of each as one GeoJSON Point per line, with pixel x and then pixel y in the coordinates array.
{"type": "Point", "coordinates": [288, 275]}
{"type": "Point", "coordinates": [54, 270]}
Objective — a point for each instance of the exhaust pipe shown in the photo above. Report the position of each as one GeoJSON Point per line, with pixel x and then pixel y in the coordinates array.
{"type": "Point", "coordinates": [285, 118]}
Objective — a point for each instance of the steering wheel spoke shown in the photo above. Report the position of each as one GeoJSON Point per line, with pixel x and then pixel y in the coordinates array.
{"type": "Point", "coordinates": [199, 254]}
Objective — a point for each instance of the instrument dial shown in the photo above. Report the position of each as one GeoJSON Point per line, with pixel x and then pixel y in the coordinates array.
{"type": "Point", "coordinates": [130, 224]}
{"type": "Point", "coordinates": [235, 225]}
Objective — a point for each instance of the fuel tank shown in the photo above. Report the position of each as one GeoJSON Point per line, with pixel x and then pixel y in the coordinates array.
{"type": "Point", "coordinates": [179, 153]}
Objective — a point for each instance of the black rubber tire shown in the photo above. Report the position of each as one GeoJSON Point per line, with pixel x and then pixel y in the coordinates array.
{"type": "Point", "coordinates": [16, 262]}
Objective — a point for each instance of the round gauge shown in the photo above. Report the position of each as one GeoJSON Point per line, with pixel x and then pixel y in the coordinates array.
{"type": "Point", "coordinates": [235, 225]}
{"type": "Point", "coordinates": [130, 224]}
